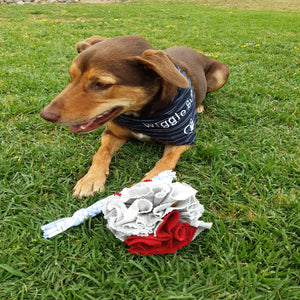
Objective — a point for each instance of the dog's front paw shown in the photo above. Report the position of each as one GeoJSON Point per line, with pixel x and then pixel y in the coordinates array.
{"type": "Point", "coordinates": [89, 185]}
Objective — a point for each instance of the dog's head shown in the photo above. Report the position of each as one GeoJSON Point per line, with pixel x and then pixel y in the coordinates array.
{"type": "Point", "coordinates": [110, 77]}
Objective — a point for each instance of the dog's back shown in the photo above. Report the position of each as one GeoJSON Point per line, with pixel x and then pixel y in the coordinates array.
{"type": "Point", "coordinates": [207, 75]}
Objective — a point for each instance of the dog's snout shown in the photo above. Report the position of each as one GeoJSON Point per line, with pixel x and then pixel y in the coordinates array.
{"type": "Point", "coordinates": [49, 116]}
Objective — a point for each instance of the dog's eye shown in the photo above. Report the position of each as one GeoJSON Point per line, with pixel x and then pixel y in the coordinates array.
{"type": "Point", "coordinates": [102, 86]}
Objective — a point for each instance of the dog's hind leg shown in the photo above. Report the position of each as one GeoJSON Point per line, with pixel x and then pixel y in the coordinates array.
{"type": "Point", "coordinates": [169, 160]}
{"type": "Point", "coordinates": [216, 76]}
{"type": "Point", "coordinates": [200, 109]}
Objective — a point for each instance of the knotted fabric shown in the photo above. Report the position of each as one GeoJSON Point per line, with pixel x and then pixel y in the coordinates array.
{"type": "Point", "coordinates": [152, 217]}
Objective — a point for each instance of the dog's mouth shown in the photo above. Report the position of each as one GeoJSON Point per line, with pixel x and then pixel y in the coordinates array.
{"type": "Point", "coordinates": [96, 122]}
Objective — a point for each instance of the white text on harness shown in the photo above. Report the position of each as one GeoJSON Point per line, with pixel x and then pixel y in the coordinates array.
{"type": "Point", "coordinates": [173, 120]}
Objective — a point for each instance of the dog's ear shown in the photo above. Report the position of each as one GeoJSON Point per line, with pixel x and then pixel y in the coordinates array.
{"type": "Point", "coordinates": [88, 43]}
{"type": "Point", "coordinates": [159, 62]}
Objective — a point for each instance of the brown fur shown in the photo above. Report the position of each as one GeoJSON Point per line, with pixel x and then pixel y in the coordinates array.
{"type": "Point", "coordinates": [127, 75]}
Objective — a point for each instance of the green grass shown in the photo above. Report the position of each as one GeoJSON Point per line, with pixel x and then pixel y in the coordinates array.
{"type": "Point", "coordinates": [245, 163]}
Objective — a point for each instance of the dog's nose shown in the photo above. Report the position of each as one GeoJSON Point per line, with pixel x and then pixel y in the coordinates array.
{"type": "Point", "coordinates": [49, 116]}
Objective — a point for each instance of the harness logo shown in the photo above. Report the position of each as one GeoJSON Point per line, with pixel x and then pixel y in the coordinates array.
{"type": "Point", "coordinates": [189, 128]}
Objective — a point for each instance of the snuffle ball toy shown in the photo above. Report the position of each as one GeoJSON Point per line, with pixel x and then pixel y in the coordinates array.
{"type": "Point", "coordinates": [152, 217]}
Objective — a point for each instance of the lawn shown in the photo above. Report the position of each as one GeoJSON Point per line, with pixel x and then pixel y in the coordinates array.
{"type": "Point", "coordinates": [245, 162]}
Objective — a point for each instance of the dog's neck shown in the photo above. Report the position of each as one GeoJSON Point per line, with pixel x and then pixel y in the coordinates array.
{"type": "Point", "coordinates": [160, 100]}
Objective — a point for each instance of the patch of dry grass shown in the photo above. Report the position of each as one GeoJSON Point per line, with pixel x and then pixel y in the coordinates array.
{"type": "Point", "coordinates": [280, 5]}
{"type": "Point", "coordinates": [276, 5]}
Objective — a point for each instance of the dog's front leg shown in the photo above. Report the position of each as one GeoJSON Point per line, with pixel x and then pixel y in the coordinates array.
{"type": "Point", "coordinates": [169, 160]}
{"type": "Point", "coordinates": [94, 180]}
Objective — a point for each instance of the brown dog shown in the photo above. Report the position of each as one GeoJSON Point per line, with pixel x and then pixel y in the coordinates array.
{"type": "Point", "coordinates": [125, 79]}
